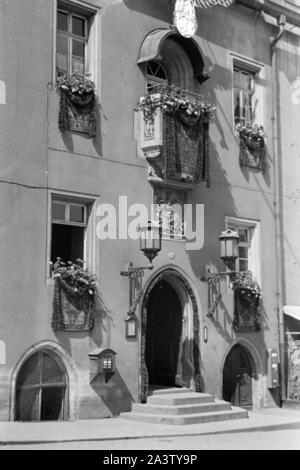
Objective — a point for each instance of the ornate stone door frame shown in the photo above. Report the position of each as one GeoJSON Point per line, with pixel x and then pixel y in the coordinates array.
{"type": "Point", "coordinates": [190, 352]}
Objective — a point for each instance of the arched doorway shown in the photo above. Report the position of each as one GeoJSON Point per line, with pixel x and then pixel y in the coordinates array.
{"type": "Point", "coordinates": [170, 336]}
{"type": "Point", "coordinates": [163, 336]}
{"type": "Point", "coordinates": [237, 377]}
{"type": "Point", "coordinates": [42, 388]}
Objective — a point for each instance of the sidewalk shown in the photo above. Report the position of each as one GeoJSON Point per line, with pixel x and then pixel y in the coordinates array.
{"type": "Point", "coordinates": [120, 428]}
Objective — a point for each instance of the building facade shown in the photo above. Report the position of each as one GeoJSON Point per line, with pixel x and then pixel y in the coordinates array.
{"type": "Point", "coordinates": [71, 171]}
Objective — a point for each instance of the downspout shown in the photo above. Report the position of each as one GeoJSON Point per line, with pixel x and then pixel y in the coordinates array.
{"type": "Point", "coordinates": [277, 203]}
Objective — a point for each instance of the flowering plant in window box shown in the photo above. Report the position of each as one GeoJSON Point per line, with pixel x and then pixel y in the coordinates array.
{"type": "Point", "coordinates": [173, 99]}
{"type": "Point", "coordinates": [76, 280]}
{"type": "Point", "coordinates": [246, 286]}
{"type": "Point", "coordinates": [251, 132]}
{"type": "Point", "coordinates": [74, 83]}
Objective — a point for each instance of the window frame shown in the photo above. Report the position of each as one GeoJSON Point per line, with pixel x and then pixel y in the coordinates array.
{"type": "Point", "coordinates": [254, 250]}
{"type": "Point", "coordinates": [152, 81]}
{"type": "Point", "coordinates": [71, 36]}
{"type": "Point", "coordinates": [89, 226]}
{"type": "Point", "coordinates": [41, 385]}
{"type": "Point", "coordinates": [257, 70]}
{"type": "Point", "coordinates": [242, 92]}
{"type": "Point", "coordinates": [93, 47]}
{"type": "Point", "coordinates": [67, 220]}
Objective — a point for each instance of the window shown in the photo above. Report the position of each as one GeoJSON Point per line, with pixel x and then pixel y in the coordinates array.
{"type": "Point", "coordinates": [244, 88]}
{"type": "Point", "coordinates": [155, 75]}
{"type": "Point", "coordinates": [72, 38]}
{"type": "Point", "coordinates": [248, 246]}
{"type": "Point", "coordinates": [42, 389]}
{"type": "Point", "coordinates": [245, 234]}
{"type": "Point", "coordinates": [68, 226]}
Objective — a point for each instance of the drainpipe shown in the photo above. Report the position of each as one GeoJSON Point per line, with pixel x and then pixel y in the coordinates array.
{"type": "Point", "coordinates": [277, 202]}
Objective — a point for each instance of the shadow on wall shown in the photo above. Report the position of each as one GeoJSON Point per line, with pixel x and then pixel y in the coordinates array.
{"type": "Point", "coordinates": [222, 321]}
{"type": "Point", "coordinates": [103, 322]}
{"type": "Point", "coordinates": [155, 8]}
{"type": "Point", "coordinates": [113, 391]}
{"type": "Point", "coordinates": [67, 137]}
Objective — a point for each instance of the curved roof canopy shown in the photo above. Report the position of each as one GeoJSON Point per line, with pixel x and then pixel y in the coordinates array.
{"type": "Point", "coordinates": [152, 44]}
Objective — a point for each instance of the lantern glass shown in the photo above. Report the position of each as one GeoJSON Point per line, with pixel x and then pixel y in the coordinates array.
{"type": "Point", "coordinates": [229, 245]}
{"type": "Point", "coordinates": [150, 239]}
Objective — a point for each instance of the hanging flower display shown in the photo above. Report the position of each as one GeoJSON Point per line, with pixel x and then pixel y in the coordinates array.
{"type": "Point", "coordinates": [74, 301]}
{"type": "Point", "coordinates": [252, 146]}
{"type": "Point", "coordinates": [173, 99]}
{"type": "Point", "coordinates": [247, 297]}
{"type": "Point", "coordinates": [77, 103]}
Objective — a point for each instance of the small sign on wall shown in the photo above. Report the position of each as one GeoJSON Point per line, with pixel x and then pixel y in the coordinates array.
{"type": "Point", "coordinates": [2, 353]}
{"type": "Point", "coordinates": [2, 92]}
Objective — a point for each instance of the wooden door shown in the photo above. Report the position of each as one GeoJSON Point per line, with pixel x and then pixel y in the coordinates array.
{"type": "Point", "coordinates": [163, 336]}
{"type": "Point", "coordinates": [237, 378]}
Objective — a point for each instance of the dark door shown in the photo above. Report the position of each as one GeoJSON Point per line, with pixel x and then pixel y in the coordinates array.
{"type": "Point", "coordinates": [41, 389]}
{"type": "Point", "coordinates": [163, 335]}
{"type": "Point", "coordinates": [237, 378]}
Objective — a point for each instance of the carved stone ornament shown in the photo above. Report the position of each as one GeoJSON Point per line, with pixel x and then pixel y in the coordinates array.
{"type": "Point", "coordinates": [169, 211]}
{"type": "Point", "coordinates": [185, 18]}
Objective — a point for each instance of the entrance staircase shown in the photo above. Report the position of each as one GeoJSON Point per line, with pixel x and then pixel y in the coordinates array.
{"type": "Point", "coordinates": [183, 406]}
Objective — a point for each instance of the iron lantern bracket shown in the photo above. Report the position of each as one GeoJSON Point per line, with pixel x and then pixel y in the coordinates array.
{"type": "Point", "coordinates": [213, 280]}
{"type": "Point", "coordinates": [135, 275]}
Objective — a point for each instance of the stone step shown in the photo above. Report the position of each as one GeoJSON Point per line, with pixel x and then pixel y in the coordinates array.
{"type": "Point", "coordinates": [168, 390]}
{"type": "Point", "coordinates": [187, 398]}
{"type": "Point", "coordinates": [187, 419]}
{"type": "Point", "coordinates": [181, 409]}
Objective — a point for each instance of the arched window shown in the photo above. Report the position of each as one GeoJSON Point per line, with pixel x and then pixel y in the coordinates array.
{"type": "Point", "coordinates": [168, 58]}
{"type": "Point", "coordinates": [42, 389]}
{"type": "Point", "coordinates": [156, 75]}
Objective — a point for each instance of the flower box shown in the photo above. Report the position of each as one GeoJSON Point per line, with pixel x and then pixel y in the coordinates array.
{"type": "Point", "coordinates": [77, 104]}
{"type": "Point", "coordinates": [252, 146]}
{"type": "Point", "coordinates": [246, 303]}
{"type": "Point", "coordinates": [74, 297]}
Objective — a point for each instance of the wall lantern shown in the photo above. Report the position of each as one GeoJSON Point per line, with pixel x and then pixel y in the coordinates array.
{"type": "Point", "coordinates": [102, 361]}
{"type": "Point", "coordinates": [150, 239]}
{"type": "Point", "coordinates": [229, 248]}
{"type": "Point", "coordinates": [150, 245]}
{"type": "Point", "coordinates": [228, 253]}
